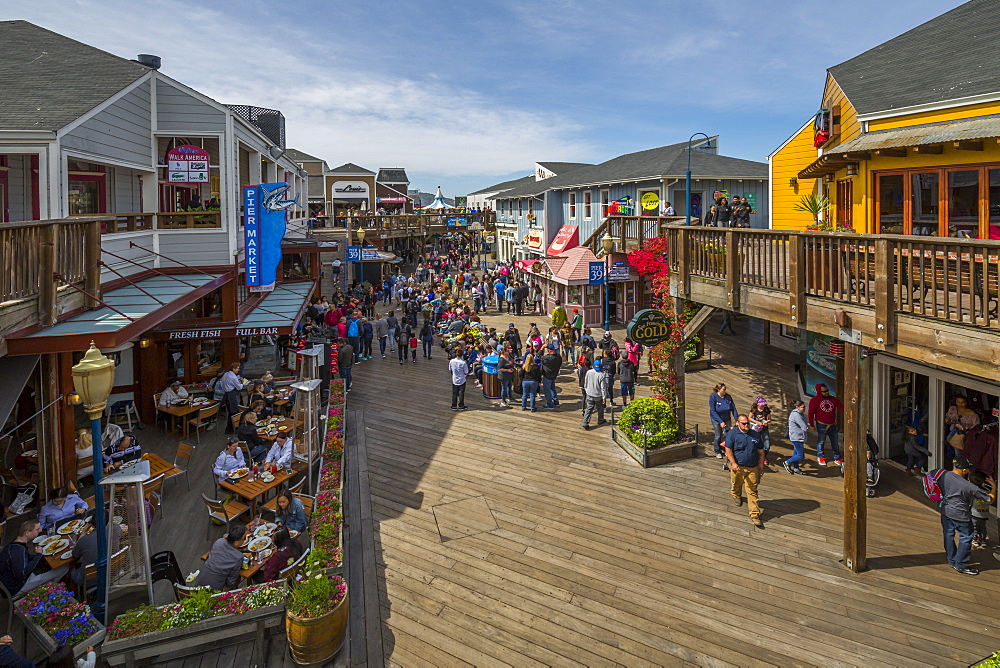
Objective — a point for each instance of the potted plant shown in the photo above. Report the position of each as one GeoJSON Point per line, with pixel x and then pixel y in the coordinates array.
{"type": "Point", "coordinates": [54, 618]}
{"type": "Point", "coordinates": [649, 432]}
{"type": "Point", "coordinates": [316, 611]}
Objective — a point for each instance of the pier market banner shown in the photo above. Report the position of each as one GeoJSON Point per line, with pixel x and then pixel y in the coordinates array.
{"type": "Point", "coordinates": [264, 213]}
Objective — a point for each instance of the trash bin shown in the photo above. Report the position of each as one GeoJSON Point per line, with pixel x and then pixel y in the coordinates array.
{"type": "Point", "coordinates": [491, 377]}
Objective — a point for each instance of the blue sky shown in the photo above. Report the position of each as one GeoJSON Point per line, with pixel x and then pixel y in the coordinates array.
{"type": "Point", "coordinates": [466, 94]}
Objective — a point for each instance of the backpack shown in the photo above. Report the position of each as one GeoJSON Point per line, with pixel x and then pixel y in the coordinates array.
{"type": "Point", "coordinates": [352, 328]}
{"type": "Point", "coordinates": [615, 352]}
{"type": "Point", "coordinates": [931, 487]}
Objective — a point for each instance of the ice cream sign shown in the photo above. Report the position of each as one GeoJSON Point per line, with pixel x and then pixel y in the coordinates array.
{"type": "Point", "coordinates": [187, 164]}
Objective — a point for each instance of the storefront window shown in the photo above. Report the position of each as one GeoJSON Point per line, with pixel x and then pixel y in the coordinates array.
{"type": "Point", "coordinates": [586, 205]}
{"type": "Point", "coordinates": [209, 306]}
{"type": "Point", "coordinates": [593, 293]}
{"type": "Point", "coordinates": [908, 402]}
{"type": "Point", "coordinates": [890, 198]}
{"type": "Point", "coordinates": [572, 205]}
{"type": "Point", "coordinates": [209, 355]}
{"type": "Point", "coordinates": [552, 289]}
{"type": "Point", "coordinates": [574, 294]}
{"type": "Point", "coordinates": [924, 197]}
{"type": "Point", "coordinates": [84, 197]}
{"type": "Point", "coordinates": [294, 267]}
{"type": "Point", "coordinates": [263, 353]}
{"type": "Point", "coordinates": [175, 361]}
{"type": "Point", "coordinates": [994, 204]}
{"type": "Point", "coordinates": [963, 204]}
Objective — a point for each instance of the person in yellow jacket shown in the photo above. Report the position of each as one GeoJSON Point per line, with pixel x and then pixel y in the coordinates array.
{"type": "Point", "coordinates": [559, 314]}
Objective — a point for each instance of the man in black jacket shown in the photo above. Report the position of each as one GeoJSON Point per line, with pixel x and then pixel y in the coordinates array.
{"type": "Point", "coordinates": [17, 563]}
{"type": "Point", "coordinates": [513, 337]}
{"type": "Point", "coordinates": [551, 363]}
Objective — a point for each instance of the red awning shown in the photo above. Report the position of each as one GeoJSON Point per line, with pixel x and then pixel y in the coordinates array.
{"type": "Point", "coordinates": [524, 264]}
{"type": "Point", "coordinates": [567, 237]}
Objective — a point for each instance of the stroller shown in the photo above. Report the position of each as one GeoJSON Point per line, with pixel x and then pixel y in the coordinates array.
{"type": "Point", "coordinates": [871, 479]}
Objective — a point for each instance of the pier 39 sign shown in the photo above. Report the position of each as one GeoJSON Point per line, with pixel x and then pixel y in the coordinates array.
{"type": "Point", "coordinates": [648, 327]}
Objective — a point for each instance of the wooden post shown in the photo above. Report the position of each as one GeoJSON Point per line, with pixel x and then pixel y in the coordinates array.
{"type": "Point", "coordinates": [885, 301]}
{"type": "Point", "coordinates": [732, 271]}
{"type": "Point", "coordinates": [679, 411]}
{"type": "Point", "coordinates": [93, 256]}
{"type": "Point", "coordinates": [857, 403]}
{"type": "Point", "coordinates": [797, 279]}
{"type": "Point", "coordinates": [683, 254]}
{"type": "Point", "coordinates": [47, 237]}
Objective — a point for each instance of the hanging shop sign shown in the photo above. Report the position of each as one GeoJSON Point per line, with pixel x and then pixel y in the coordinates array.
{"type": "Point", "coordinates": [719, 194]}
{"type": "Point", "coordinates": [350, 190]}
{"type": "Point", "coordinates": [567, 237]}
{"type": "Point", "coordinates": [648, 327]}
{"type": "Point", "coordinates": [751, 199]}
{"type": "Point", "coordinates": [620, 207]}
{"type": "Point", "coordinates": [391, 200]}
{"type": "Point", "coordinates": [650, 201]}
{"type": "Point", "coordinates": [187, 164]}
{"type": "Point", "coordinates": [264, 213]}
{"type": "Point", "coordinates": [534, 239]}
{"type": "Point", "coordinates": [180, 335]}
{"type": "Point", "coordinates": [457, 221]}
{"type": "Point", "coordinates": [595, 273]}
{"type": "Point", "coordinates": [619, 272]}
{"type": "Point", "coordinates": [256, 331]}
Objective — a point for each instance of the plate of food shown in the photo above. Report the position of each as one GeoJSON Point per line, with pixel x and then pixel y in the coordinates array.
{"type": "Point", "coordinates": [72, 526]}
{"type": "Point", "coordinates": [259, 543]}
{"type": "Point", "coordinates": [264, 554]}
{"type": "Point", "coordinates": [261, 423]}
{"type": "Point", "coordinates": [54, 547]}
{"type": "Point", "coordinates": [68, 554]}
{"type": "Point", "coordinates": [267, 477]}
{"type": "Point", "coordinates": [117, 519]}
{"type": "Point", "coordinates": [293, 533]}
{"type": "Point", "coordinates": [30, 453]}
{"type": "Point", "coordinates": [263, 530]}
{"type": "Point", "coordinates": [236, 474]}
{"type": "Point", "coordinates": [283, 427]}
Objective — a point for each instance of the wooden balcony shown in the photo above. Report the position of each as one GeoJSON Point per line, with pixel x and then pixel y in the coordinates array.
{"type": "Point", "coordinates": [164, 220]}
{"type": "Point", "coordinates": [927, 298]}
{"type": "Point", "coordinates": [418, 224]}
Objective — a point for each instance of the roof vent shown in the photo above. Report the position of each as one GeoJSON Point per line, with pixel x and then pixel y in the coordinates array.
{"type": "Point", "coordinates": [149, 60]}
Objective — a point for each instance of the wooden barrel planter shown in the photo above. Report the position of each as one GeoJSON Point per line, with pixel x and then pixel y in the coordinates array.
{"type": "Point", "coordinates": [649, 457]}
{"type": "Point", "coordinates": [317, 639]}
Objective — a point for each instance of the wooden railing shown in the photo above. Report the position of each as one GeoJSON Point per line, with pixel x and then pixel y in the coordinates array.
{"type": "Point", "coordinates": [180, 220]}
{"type": "Point", "coordinates": [629, 232]}
{"type": "Point", "coordinates": [35, 252]}
{"type": "Point", "coordinates": [948, 280]}
{"type": "Point", "coordinates": [418, 223]}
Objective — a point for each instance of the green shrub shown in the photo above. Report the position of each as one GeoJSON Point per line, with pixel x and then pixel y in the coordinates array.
{"type": "Point", "coordinates": [649, 423]}
{"type": "Point", "coordinates": [992, 662]}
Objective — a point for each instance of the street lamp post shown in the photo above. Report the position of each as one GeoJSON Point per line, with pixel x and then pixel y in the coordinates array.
{"type": "Point", "coordinates": [687, 178]}
{"type": "Point", "coordinates": [607, 243]}
{"type": "Point", "coordinates": [93, 378]}
{"type": "Point", "coordinates": [361, 254]}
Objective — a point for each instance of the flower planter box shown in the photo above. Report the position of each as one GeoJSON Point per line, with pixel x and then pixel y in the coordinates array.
{"type": "Point", "coordinates": [698, 364]}
{"type": "Point", "coordinates": [648, 457]}
{"type": "Point", "coordinates": [161, 646]}
{"type": "Point", "coordinates": [46, 644]}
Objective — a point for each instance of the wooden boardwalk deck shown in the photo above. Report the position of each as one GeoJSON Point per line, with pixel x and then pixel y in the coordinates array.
{"type": "Point", "coordinates": [502, 537]}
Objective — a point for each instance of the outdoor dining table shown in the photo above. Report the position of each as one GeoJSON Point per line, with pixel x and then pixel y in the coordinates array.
{"type": "Point", "coordinates": [255, 564]}
{"type": "Point", "coordinates": [182, 411]}
{"type": "Point", "coordinates": [158, 465]}
{"type": "Point", "coordinates": [54, 561]}
{"type": "Point", "coordinates": [279, 398]}
{"type": "Point", "coordinates": [288, 423]}
{"type": "Point", "coordinates": [254, 490]}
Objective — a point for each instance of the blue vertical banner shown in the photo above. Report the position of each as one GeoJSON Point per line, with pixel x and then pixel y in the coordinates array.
{"type": "Point", "coordinates": [264, 214]}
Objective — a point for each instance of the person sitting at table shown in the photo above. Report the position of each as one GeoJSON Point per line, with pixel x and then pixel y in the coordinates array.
{"type": "Point", "coordinates": [17, 564]}
{"type": "Point", "coordinates": [281, 452]}
{"type": "Point", "coordinates": [85, 552]}
{"type": "Point", "coordinates": [257, 392]}
{"type": "Point", "coordinates": [218, 394]}
{"type": "Point", "coordinates": [125, 449]}
{"type": "Point", "coordinates": [222, 568]}
{"type": "Point", "coordinates": [230, 459]}
{"type": "Point", "coordinates": [287, 551]}
{"type": "Point", "coordinates": [289, 512]}
{"type": "Point", "coordinates": [63, 505]}
{"type": "Point", "coordinates": [247, 432]}
{"type": "Point", "coordinates": [269, 384]}
{"type": "Point", "coordinates": [174, 392]}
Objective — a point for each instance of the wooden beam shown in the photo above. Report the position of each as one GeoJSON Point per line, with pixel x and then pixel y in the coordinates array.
{"type": "Point", "coordinates": [858, 155]}
{"type": "Point", "coordinates": [885, 279]}
{"type": "Point", "coordinates": [679, 372]}
{"type": "Point", "coordinates": [47, 240]}
{"type": "Point", "coordinates": [929, 149]}
{"type": "Point", "coordinates": [797, 279]}
{"type": "Point", "coordinates": [732, 271]}
{"type": "Point", "coordinates": [968, 145]}
{"type": "Point", "coordinates": [856, 411]}
{"type": "Point", "coordinates": [891, 152]}
{"type": "Point", "coordinates": [695, 324]}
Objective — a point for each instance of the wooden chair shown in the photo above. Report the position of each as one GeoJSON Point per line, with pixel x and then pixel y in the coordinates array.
{"type": "Point", "coordinates": [206, 416]}
{"type": "Point", "coordinates": [154, 507]}
{"type": "Point", "coordinates": [307, 503]}
{"type": "Point", "coordinates": [291, 571]}
{"type": "Point", "coordinates": [115, 563]}
{"type": "Point", "coordinates": [156, 407]}
{"type": "Point", "coordinates": [84, 468]}
{"type": "Point", "coordinates": [152, 488]}
{"type": "Point", "coordinates": [184, 453]}
{"type": "Point", "coordinates": [222, 512]}
{"type": "Point", "coordinates": [235, 419]}
{"type": "Point", "coordinates": [183, 591]}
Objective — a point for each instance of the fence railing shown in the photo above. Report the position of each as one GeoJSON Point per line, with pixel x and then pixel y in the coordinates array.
{"type": "Point", "coordinates": [36, 252]}
{"type": "Point", "coordinates": [949, 280]}
{"type": "Point", "coordinates": [420, 223]}
{"type": "Point", "coordinates": [179, 220]}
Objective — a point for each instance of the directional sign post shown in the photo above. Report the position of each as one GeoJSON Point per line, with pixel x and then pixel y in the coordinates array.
{"type": "Point", "coordinates": [596, 273]}
{"type": "Point", "coordinates": [354, 253]}
{"type": "Point", "coordinates": [618, 272]}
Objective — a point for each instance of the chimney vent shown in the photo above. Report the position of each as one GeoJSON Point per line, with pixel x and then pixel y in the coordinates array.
{"type": "Point", "coordinates": [149, 60]}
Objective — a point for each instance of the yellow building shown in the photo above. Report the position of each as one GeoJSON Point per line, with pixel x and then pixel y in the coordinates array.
{"type": "Point", "coordinates": [906, 138]}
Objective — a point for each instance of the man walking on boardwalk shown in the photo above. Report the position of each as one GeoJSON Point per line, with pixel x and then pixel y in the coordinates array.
{"type": "Point", "coordinates": [745, 452]}
{"type": "Point", "coordinates": [459, 374]}
{"type": "Point", "coordinates": [595, 386]}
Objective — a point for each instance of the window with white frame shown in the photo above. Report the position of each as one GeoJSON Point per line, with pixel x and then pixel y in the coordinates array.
{"type": "Point", "coordinates": [572, 205]}
{"type": "Point", "coordinates": [587, 208]}
{"type": "Point", "coordinates": [605, 202]}
{"type": "Point", "coordinates": [520, 208]}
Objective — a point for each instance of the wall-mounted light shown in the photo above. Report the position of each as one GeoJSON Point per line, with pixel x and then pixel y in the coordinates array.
{"type": "Point", "coordinates": [145, 343]}
{"type": "Point", "coordinates": [73, 399]}
{"type": "Point", "coordinates": [276, 152]}
{"type": "Point", "coordinates": [792, 182]}
{"type": "Point", "coordinates": [829, 178]}
{"type": "Point", "coordinates": [303, 173]}
{"type": "Point", "coordinates": [852, 169]}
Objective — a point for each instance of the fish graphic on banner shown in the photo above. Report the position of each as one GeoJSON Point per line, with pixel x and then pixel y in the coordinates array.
{"type": "Point", "coordinates": [263, 229]}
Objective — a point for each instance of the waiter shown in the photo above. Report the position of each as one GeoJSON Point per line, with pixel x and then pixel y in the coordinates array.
{"type": "Point", "coordinates": [231, 386]}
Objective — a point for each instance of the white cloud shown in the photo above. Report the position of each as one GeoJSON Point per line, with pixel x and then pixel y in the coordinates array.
{"type": "Point", "coordinates": [335, 107]}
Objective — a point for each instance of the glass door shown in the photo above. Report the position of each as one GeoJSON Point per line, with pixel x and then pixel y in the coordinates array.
{"type": "Point", "coordinates": [963, 203]}
{"type": "Point", "coordinates": [890, 203]}
{"type": "Point", "coordinates": [925, 204]}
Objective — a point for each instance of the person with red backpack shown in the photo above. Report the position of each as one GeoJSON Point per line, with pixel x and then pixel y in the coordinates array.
{"type": "Point", "coordinates": [955, 496]}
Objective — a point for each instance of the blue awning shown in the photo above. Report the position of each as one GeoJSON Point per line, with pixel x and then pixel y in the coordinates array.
{"type": "Point", "coordinates": [279, 311]}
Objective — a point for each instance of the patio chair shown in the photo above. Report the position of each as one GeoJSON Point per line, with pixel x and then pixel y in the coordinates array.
{"type": "Point", "coordinates": [183, 591]}
{"type": "Point", "coordinates": [156, 407]}
{"type": "Point", "coordinates": [152, 489]}
{"type": "Point", "coordinates": [206, 417]}
{"type": "Point", "coordinates": [291, 571]}
{"type": "Point", "coordinates": [222, 512]}
{"type": "Point", "coordinates": [184, 453]}
{"type": "Point", "coordinates": [307, 502]}
{"type": "Point", "coordinates": [124, 409]}
{"type": "Point", "coordinates": [163, 566]}
{"type": "Point", "coordinates": [272, 504]}
{"type": "Point", "coordinates": [115, 563]}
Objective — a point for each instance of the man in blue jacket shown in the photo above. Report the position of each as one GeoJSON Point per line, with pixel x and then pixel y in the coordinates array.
{"type": "Point", "coordinates": [745, 453]}
{"type": "Point", "coordinates": [721, 409]}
